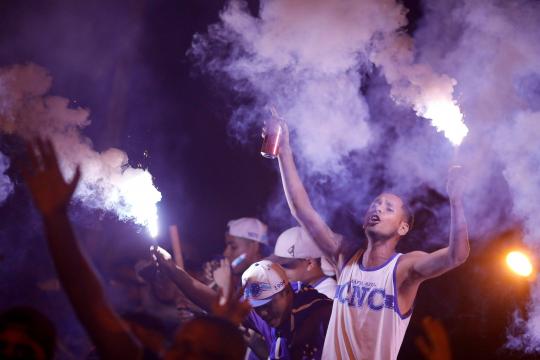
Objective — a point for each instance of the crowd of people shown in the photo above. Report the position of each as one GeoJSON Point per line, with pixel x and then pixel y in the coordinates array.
{"type": "Point", "coordinates": [317, 295]}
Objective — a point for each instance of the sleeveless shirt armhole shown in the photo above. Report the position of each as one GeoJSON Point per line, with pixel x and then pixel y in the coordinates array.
{"type": "Point", "coordinates": [396, 295]}
{"type": "Point", "coordinates": [348, 260]}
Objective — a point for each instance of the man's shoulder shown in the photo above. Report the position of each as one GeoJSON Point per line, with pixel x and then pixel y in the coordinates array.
{"type": "Point", "coordinates": [413, 255]}
{"type": "Point", "coordinates": [407, 260]}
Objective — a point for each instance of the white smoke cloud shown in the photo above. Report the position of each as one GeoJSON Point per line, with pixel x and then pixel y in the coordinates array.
{"type": "Point", "coordinates": [108, 182]}
{"type": "Point", "coordinates": [307, 57]}
{"type": "Point", "coordinates": [305, 61]}
{"type": "Point", "coordinates": [310, 59]}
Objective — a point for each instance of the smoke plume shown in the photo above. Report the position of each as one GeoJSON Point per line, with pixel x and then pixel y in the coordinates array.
{"type": "Point", "coordinates": [314, 61]}
{"type": "Point", "coordinates": [330, 67]}
{"type": "Point", "coordinates": [108, 182]}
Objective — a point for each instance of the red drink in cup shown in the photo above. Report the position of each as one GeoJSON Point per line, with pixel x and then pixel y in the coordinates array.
{"type": "Point", "coordinates": [272, 136]}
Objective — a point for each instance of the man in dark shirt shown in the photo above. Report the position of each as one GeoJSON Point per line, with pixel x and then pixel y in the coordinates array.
{"type": "Point", "coordinates": [292, 319]}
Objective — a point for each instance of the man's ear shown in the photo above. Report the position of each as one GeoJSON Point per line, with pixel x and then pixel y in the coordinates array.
{"type": "Point", "coordinates": [403, 228]}
{"type": "Point", "coordinates": [310, 264]}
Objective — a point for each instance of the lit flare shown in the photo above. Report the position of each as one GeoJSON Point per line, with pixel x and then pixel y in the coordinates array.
{"type": "Point", "coordinates": [141, 198]}
{"type": "Point", "coordinates": [519, 263]}
{"type": "Point", "coordinates": [446, 116]}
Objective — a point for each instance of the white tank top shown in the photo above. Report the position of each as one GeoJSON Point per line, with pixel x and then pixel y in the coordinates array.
{"type": "Point", "coordinates": [326, 286]}
{"type": "Point", "coordinates": [366, 322]}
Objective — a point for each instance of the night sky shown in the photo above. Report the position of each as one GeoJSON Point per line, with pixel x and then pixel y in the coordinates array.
{"type": "Point", "coordinates": [127, 62]}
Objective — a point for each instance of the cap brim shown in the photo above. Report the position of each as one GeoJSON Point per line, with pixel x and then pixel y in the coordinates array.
{"type": "Point", "coordinates": [279, 259]}
{"type": "Point", "coordinates": [259, 302]}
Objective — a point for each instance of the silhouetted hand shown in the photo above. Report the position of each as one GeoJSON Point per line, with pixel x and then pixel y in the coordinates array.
{"type": "Point", "coordinates": [50, 191]}
{"type": "Point", "coordinates": [435, 345]}
{"type": "Point", "coordinates": [162, 258]}
{"type": "Point", "coordinates": [232, 307]}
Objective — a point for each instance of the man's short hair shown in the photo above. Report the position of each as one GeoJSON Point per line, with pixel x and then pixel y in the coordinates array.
{"type": "Point", "coordinates": [409, 214]}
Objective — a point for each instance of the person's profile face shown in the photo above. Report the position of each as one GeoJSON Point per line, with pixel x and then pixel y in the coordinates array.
{"type": "Point", "coordinates": [385, 216]}
{"type": "Point", "coordinates": [295, 269]}
{"type": "Point", "coordinates": [235, 247]}
{"type": "Point", "coordinates": [277, 310]}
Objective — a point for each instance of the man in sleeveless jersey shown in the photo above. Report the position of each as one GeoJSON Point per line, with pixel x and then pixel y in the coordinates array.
{"type": "Point", "coordinates": [376, 286]}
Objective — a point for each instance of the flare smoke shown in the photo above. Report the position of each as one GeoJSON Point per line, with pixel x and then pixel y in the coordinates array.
{"type": "Point", "coordinates": [311, 59]}
{"type": "Point", "coordinates": [108, 182]}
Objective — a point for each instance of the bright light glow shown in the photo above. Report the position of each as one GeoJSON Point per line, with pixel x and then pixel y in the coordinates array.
{"type": "Point", "coordinates": [519, 263]}
{"type": "Point", "coordinates": [141, 198]}
{"type": "Point", "coordinates": [446, 117]}
{"type": "Point", "coordinates": [153, 228]}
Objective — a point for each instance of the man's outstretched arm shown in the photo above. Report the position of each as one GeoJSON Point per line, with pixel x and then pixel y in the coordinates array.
{"type": "Point", "coordinates": [330, 243]}
{"type": "Point", "coordinates": [51, 194]}
{"type": "Point", "coordinates": [201, 294]}
{"type": "Point", "coordinates": [425, 266]}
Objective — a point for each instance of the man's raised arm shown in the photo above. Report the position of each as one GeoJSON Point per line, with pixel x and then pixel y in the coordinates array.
{"type": "Point", "coordinates": [425, 266]}
{"type": "Point", "coordinates": [51, 194]}
{"type": "Point", "coordinates": [330, 243]}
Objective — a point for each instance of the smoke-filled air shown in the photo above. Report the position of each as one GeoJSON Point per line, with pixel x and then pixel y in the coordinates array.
{"type": "Point", "coordinates": [108, 182]}
{"type": "Point", "coordinates": [367, 98]}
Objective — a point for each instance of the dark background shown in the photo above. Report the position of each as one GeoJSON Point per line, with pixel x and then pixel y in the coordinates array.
{"type": "Point", "coordinates": [126, 61]}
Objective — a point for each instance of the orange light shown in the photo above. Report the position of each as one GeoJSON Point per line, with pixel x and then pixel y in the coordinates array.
{"type": "Point", "coordinates": [519, 263]}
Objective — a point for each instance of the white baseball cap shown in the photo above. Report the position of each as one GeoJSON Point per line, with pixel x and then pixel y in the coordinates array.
{"type": "Point", "coordinates": [261, 281]}
{"type": "Point", "coordinates": [249, 228]}
{"type": "Point", "coordinates": [296, 243]}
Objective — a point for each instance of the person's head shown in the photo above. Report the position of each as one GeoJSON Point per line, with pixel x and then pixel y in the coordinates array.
{"type": "Point", "coordinates": [388, 217]}
{"type": "Point", "coordinates": [206, 338]}
{"type": "Point", "coordinates": [245, 241]}
{"type": "Point", "coordinates": [267, 289]}
{"type": "Point", "coordinates": [298, 255]}
{"type": "Point", "coordinates": [26, 334]}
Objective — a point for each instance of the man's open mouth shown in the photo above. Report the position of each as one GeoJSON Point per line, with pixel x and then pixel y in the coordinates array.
{"type": "Point", "coordinates": [374, 219]}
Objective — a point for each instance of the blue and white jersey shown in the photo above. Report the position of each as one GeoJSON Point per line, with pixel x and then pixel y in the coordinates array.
{"type": "Point", "coordinates": [366, 322]}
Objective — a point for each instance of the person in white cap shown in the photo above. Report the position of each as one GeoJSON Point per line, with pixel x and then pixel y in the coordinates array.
{"type": "Point", "coordinates": [246, 240]}
{"type": "Point", "coordinates": [302, 259]}
{"type": "Point", "coordinates": [292, 319]}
